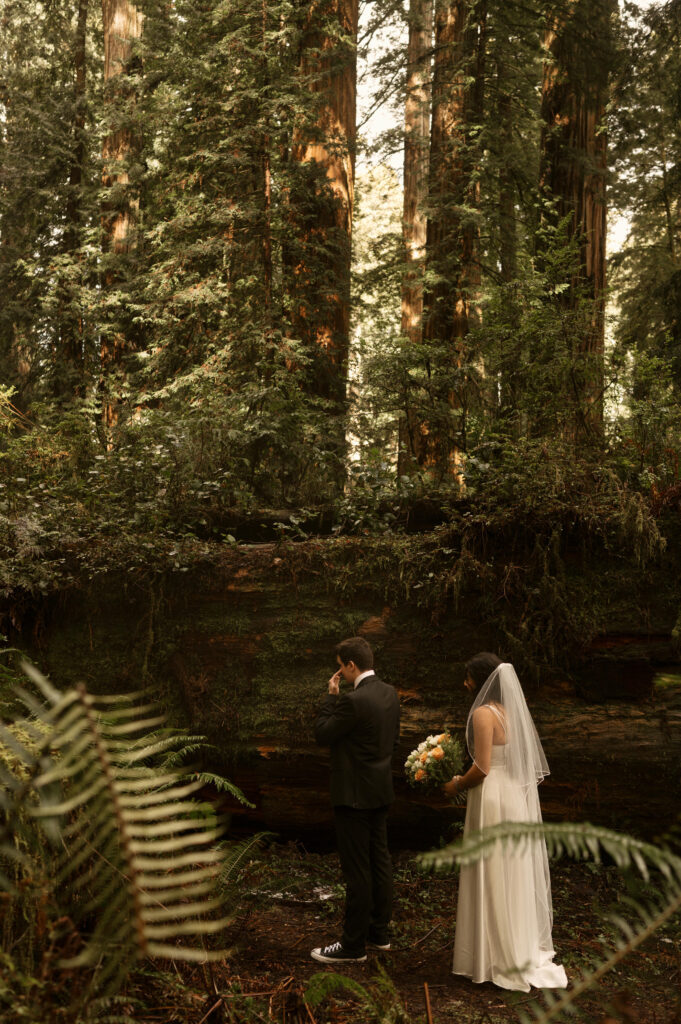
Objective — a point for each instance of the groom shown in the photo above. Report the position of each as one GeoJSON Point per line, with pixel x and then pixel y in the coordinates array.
{"type": "Point", "coordinates": [362, 728]}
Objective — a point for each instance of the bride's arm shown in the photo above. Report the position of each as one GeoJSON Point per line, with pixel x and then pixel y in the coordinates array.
{"type": "Point", "coordinates": [483, 727]}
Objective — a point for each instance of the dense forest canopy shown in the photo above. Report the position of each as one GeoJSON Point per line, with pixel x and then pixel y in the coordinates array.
{"type": "Point", "coordinates": [220, 290]}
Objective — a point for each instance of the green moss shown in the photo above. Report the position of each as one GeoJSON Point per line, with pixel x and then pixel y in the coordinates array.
{"type": "Point", "coordinates": [667, 681]}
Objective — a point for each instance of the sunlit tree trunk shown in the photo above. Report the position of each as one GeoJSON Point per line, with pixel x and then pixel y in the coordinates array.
{"type": "Point", "coordinates": [323, 198]}
{"type": "Point", "coordinates": [573, 173]}
{"type": "Point", "coordinates": [414, 219]}
{"type": "Point", "coordinates": [122, 27]}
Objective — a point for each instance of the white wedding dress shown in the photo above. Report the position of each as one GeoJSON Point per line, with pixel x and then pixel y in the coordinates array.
{"type": "Point", "coordinates": [504, 916]}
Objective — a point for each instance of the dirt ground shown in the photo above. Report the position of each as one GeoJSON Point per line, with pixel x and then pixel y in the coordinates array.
{"type": "Point", "coordinates": [287, 901]}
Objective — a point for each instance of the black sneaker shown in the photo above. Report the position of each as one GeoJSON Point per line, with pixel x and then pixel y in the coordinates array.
{"type": "Point", "coordinates": [335, 954]}
{"type": "Point", "coordinates": [379, 942]}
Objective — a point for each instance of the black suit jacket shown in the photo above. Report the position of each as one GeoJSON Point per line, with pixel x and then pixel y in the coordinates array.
{"type": "Point", "coordinates": [362, 729]}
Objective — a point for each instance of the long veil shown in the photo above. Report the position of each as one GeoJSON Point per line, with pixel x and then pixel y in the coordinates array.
{"type": "Point", "coordinates": [525, 760]}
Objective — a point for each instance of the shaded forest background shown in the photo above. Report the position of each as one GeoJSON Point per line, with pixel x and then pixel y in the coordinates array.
{"type": "Point", "coordinates": [214, 329]}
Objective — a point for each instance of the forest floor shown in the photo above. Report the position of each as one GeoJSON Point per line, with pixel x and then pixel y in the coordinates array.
{"type": "Point", "coordinates": [287, 900]}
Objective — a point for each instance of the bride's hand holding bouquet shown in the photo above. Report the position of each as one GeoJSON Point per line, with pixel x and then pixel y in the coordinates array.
{"type": "Point", "coordinates": [433, 763]}
{"type": "Point", "coordinates": [452, 788]}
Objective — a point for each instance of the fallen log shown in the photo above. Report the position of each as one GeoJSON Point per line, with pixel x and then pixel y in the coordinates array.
{"type": "Point", "coordinates": [240, 648]}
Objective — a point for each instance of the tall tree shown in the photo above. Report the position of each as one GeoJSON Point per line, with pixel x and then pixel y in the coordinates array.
{"type": "Point", "coordinates": [573, 174]}
{"type": "Point", "coordinates": [323, 196]}
{"type": "Point", "coordinates": [42, 138]}
{"type": "Point", "coordinates": [414, 221]}
{"type": "Point", "coordinates": [122, 23]}
{"type": "Point", "coordinates": [453, 256]}
{"type": "Point", "coordinates": [69, 364]}
{"type": "Point", "coordinates": [647, 149]}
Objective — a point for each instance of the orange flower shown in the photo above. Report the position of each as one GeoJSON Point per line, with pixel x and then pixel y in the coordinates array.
{"type": "Point", "coordinates": [442, 737]}
{"type": "Point", "coordinates": [438, 753]}
{"type": "Point", "coordinates": [420, 775]}
{"type": "Point", "coordinates": [424, 757]}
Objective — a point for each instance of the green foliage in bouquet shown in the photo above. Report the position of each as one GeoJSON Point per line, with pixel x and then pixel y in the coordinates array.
{"type": "Point", "coordinates": [434, 762]}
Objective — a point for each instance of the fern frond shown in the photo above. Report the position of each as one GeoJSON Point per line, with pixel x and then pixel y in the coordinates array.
{"type": "Point", "coordinates": [323, 984]}
{"type": "Point", "coordinates": [140, 853]}
{"type": "Point", "coordinates": [576, 840]}
{"type": "Point", "coordinates": [234, 854]}
{"type": "Point", "coordinates": [224, 786]}
{"type": "Point", "coordinates": [380, 1000]}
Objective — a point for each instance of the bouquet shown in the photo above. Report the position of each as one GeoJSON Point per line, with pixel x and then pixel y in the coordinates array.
{"type": "Point", "coordinates": [434, 762]}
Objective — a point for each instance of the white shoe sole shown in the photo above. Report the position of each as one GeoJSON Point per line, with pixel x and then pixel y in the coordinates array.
{"type": "Point", "coordinates": [317, 954]}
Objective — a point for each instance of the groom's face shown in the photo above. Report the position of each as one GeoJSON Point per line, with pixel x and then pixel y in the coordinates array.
{"type": "Point", "coordinates": [348, 671]}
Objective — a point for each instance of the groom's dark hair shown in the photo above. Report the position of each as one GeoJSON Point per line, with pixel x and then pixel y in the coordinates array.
{"type": "Point", "coordinates": [356, 649]}
{"type": "Point", "coordinates": [480, 667]}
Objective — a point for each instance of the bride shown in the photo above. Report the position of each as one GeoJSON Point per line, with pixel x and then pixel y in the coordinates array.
{"type": "Point", "coordinates": [504, 915]}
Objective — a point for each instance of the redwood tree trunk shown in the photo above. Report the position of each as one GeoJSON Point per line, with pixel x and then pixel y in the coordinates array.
{"type": "Point", "coordinates": [452, 248]}
{"type": "Point", "coordinates": [574, 165]}
{"type": "Point", "coordinates": [508, 233]}
{"type": "Point", "coordinates": [122, 27]}
{"type": "Point", "coordinates": [414, 223]}
{"type": "Point", "coordinates": [323, 196]}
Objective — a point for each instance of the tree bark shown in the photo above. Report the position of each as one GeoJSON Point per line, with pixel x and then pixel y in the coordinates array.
{"type": "Point", "coordinates": [323, 196]}
{"type": "Point", "coordinates": [573, 173]}
{"type": "Point", "coordinates": [122, 27]}
{"type": "Point", "coordinates": [414, 219]}
{"type": "Point", "coordinates": [266, 186]}
{"type": "Point", "coordinates": [70, 357]}
{"type": "Point", "coordinates": [508, 232]}
{"type": "Point", "coordinates": [611, 766]}
{"type": "Point", "coordinates": [452, 246]}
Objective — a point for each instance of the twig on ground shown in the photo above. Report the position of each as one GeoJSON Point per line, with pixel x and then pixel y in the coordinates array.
{"type": "Point", "coordinates": [424, 937]}
{"type": "Point", "coordinates": [213, 1007]}
{"type": "Point", "coordinates": [429, 1013]}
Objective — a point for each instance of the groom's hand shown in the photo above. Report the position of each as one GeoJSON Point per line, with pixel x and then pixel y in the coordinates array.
{"type": "Point", "coordinates": [334, 683]}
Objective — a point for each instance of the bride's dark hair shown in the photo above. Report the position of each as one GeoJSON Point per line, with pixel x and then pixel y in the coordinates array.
{"type": "Point", "coordinates": [481, 666]}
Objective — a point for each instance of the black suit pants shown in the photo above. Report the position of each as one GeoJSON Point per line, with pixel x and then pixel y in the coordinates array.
{"type": "Point", "coordinates": [367, 870]}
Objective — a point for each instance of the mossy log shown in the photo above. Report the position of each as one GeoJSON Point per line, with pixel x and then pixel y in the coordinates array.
{"type": "Point", "coordinates": [240, 646]}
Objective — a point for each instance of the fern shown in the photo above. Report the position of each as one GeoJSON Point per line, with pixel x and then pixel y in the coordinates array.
{"type": "Point", "coordinates": [234, 854]}
{"type": "Point", "coordinates": [582, 841]}
{"type": "Point", "coordinates": [381, 1001]}
{"type": "Point", "coordinates": [136, 856]}
{"type": "Point", "coordinates": [223, 786]}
